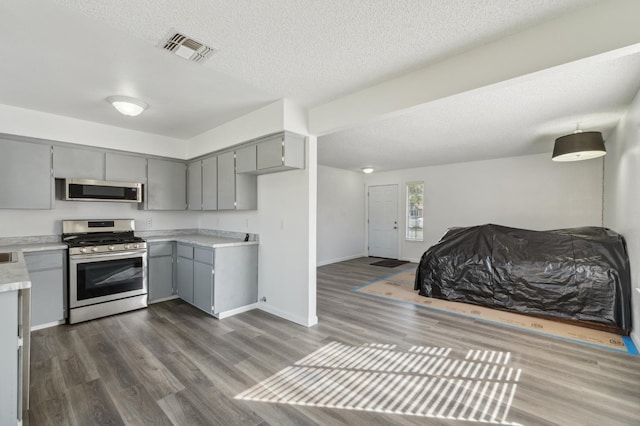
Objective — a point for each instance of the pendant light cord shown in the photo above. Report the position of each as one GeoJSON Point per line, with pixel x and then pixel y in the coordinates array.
{"type": "Point", "coordinates": [602, 208]}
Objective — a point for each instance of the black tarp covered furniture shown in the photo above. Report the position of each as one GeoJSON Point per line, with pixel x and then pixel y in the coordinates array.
{"type": "Point", "coordinates": [577, 274]}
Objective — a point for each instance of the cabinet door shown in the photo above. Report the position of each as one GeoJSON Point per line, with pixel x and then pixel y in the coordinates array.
{"type": "Point", "coordinates": [210, 183]}
{"type": "Point", "coordinates": [246, 159]}
{"type": "Point", "coordinates": [160, 277]}
{"type": "Point", "coordinates": [236, 279]}
{"type": "Point", "coordinates": [166, 185]}
{"type": "Point", "coordinates": [194, 186]}
{"type": "Point", "coordinates": [246, 192]}
{"type": "Point", "coordinates": [185, 279]}
{"type": "Point", "coordinates": [203, 286]}
{"type": "Point", "coordinates": [47, 294]}
{"type": "Point", "coordinates": [25, 175]}
{"type": "Point", "coordinates": [226, 181]}
{"type": "Point", "coordinates": [77, 163]}
{"type": "Point", "coordinates": [270, 153]}
{"type": "Point", "coordinates": [125, 168]}
{"type": "Point", "coordinates": [9, 360]}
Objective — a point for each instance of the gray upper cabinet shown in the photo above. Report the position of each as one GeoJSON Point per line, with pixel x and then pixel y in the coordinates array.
{"type": "Point", "coordinates": [25, 175]}
{"type": "Point", "coordinates": [246, 159]}
{"type": "Point", "coordinates": [78, 163]}
{"type": "Point", "coordinates": [125, 168]}
{"type": "Point", "coordinates": [226, 182]}
{"type": "Point", "coordinates": [166, 187]}
{"type": "Point", "coordinates": [235, 191]}
{"type": "Point", "coordinates": [210, 183]}
{"type": "Point", "coordinates": [246, 192]}
{"type": "Point", "coordinates": [194, 186]}
{"type": "Point", "coordinates": [279, 153]}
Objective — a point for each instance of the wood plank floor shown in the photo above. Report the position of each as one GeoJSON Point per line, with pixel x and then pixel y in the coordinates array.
{"type": "Point", "coordinates": [170, 364]}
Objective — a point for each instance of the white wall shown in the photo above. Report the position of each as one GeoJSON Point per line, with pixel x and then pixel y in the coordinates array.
{"type": "Point", "coordinates": [263, 121]}
{"type": "Point", "coordinates": [36, 124]}
{"type": "Point", "coordinates": [622, 196]}
{"type": "Point", "coordinates": [18, 223]}
{"type": "Point", "coordinates": [341, 215]}
{"type": "Point", "coordinates": [530, 192]}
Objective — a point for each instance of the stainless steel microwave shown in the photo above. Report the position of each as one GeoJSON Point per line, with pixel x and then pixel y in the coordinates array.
{"type": "Point", "coordinates": [100, 190]}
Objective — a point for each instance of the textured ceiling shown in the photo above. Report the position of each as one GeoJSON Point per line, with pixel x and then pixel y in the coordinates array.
{"type": "Point", "coordinates": [519, 117]}
{"type": "Point", "coordinates": [66, 56]}
{"type": "Point", "coordinates": [314, 51]}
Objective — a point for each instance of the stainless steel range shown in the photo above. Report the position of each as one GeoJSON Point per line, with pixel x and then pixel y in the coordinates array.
{"type": "Point", "coordinates": [107, 268]}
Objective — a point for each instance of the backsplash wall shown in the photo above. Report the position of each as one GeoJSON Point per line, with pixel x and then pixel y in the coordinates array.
{"type": "Point", "coordinates": [16, 223]}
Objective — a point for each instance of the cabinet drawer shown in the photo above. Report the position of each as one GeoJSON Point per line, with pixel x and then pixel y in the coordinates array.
{"type": "Point", "coordinates": [204, 255]}
{"type": "Point", "coordinates": [185, 251]}
{"type": "Point", "coordinates": [44, 260]}
{"type": "Point", "coordinates": [160, 249]}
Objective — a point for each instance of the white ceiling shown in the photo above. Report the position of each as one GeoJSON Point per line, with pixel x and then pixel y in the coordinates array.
{"type": "Point", "coordinates": [518, 117]}
{"type": "Point", "coordinates": [66, 56]}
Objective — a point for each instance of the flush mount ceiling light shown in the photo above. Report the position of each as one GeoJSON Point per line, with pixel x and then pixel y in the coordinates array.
{"type": "Point", "coordinates": [127, 106]}
{"type": "Point", "coordinates": [367, 170]}
{"type": "Point", "coordinates": [579, 146]}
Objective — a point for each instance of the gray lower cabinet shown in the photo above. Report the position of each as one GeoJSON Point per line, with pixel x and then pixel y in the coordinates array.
{"type": "Point", "coordinates": [125, 168]}
{"type": "Point", "coordinates": [218, 281]}
{"type": "Point", "coordinates": [25, 175]}
{"type": "Point", "coordinates": [184, 275]}
{"type": "Point", "coordinates": [10, 359]}
{"type": "Point", "coordinates": [236, 278]}
{"type": "Point", "coordinates": [160, 277]}
{"type": "Point", "coordinates": [166, 187]}
{"type": "Point", "coordinates": [77, 163]}
{"type": "Point", "coordinates": [203, 276]}
{"type": "Point", "coordinates": [48, 298]}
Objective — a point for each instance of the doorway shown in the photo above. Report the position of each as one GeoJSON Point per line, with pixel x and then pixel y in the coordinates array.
{"type": "Point", "coordinates": [383, 221]}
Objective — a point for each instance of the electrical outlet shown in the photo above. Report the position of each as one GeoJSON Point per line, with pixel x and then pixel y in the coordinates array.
{"type": "Point", "coordinates": [149, 223]}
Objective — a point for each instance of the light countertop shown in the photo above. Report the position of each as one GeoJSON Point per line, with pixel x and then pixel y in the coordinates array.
{"type": "Point", "coordinates": [14, 275]}
{"type": "Point", "coordinates": [209, 241]}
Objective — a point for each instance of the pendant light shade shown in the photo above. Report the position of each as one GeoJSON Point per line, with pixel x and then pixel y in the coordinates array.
{"type": "Point", "coordinates": [579, 146]}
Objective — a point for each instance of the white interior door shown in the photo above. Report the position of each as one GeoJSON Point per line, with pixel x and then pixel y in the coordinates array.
{"type": "Point", "coordinates": [383, 221]}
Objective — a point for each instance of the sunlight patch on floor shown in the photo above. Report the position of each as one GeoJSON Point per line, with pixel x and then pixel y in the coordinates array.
{"type": "Point", "coordinates": [478, 386]}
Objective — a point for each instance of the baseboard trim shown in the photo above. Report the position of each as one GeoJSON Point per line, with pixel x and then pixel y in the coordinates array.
{"type": "Point", "coordinates": [163, 299]}
{"type": "Point", "coordinates": [305, 322]}
{"type": "Point", "coordinates": [342, 259]}
{"type": "Point", "coordinates": [47, 325]}
{"type": "Point", "coordinates": [235, 311]}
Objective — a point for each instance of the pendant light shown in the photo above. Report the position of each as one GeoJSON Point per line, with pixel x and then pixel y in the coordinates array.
{"type": "Point", "coordinates": [579, 146]}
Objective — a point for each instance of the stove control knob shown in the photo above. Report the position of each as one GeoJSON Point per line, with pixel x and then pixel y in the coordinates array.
{"type": "Point", "coordinates": [135, 246]}
{"type": "Point", "coordinates": [94, 249]}
{"type": "Point", "coordinates": [112, 248]}
{"type": "Point", "coordinates": [84, 250]}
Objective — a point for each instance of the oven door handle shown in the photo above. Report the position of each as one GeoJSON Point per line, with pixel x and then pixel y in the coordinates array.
{"type": "Point", "coordinates": [115, 255]}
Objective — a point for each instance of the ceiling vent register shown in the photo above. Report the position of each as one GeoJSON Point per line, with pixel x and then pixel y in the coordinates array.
{"type": "Point", "coordinates": [188, 48]}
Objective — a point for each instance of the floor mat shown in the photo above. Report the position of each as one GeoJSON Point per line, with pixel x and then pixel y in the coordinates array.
{"type": "Point", "coordinates": [389, 263]}
{"type": "Point", "coordinates": [399, 287]}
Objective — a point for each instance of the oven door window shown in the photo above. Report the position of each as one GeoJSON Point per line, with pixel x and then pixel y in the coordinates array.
{"type": "Point", "coordinates": [107, 277]}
